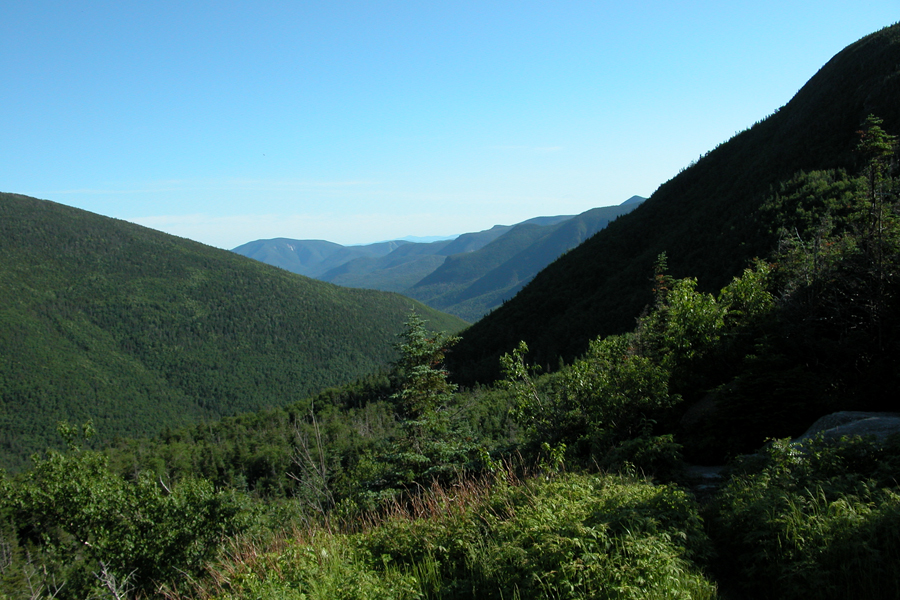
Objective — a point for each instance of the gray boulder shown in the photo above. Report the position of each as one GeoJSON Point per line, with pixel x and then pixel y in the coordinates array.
{"type": "Point", "coordinates": [852, 423]}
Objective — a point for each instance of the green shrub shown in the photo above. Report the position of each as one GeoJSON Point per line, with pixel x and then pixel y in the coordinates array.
{"type": "Point", "coordinates": [317, 566]}
{"type": "Point", "coordinates": [570, 537]}
{"type": "Point", "coordinates": [656, 456]}
{"type": "Point", "coordinates": [79, 527]}
{"type": "Point", "coordinates": [818, 521]}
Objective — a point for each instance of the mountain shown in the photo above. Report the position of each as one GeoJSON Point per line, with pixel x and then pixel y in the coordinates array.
{"type": "Point", "coordinates": [706, 218]}
{"type": "Point", "coordinates": [310, 257]}
{"type": "Point", "coordinates": [403, 268]}
{"type": "Point", "coordinates": [138, 330]}
{"type": "Point", "coordinates": [331, 262]}
{"type": "Point", "coordinates": [455, 275]}
{"type": "Point", "coordinates": [470, 285]}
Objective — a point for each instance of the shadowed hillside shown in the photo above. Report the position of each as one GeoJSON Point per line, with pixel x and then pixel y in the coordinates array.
{"type": "Point", "coordinates": [470, 285]}
{"type": "Point", "coordinates": [705, 218]}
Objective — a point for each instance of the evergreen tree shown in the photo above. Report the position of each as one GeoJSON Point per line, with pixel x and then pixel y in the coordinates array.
{"type": "Point", "coordinates": [424, 388]}
{"type": "Point", "coordinates": [431, 442]}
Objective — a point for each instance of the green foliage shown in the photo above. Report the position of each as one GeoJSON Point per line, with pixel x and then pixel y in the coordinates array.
{"type": "Point", "coordinates": [433, 441]}
{"type": "Point", "coordinates": [659, 456]}
{"type": "Point", "coordinates": [137, 330]}
{"type": "Point", "coordinates": [819, 521]}
{"type": "Point", "coordinates": [424, 388]}
{"type": "Point", "coordinates": [833, 344]}
{"type": "Point", "coordinates": [78, 525]}
{"type": "Point", "coordinates": [276, 453]}
{"type": "Point", "coordinates": [877, 148]}
{"type": "Point", "coordinates": [318, 566]}
{"type": "Point", "coordinates": [609, 395]}
{"type": "Point", "coordinates": [348, 447]}
{"type": "Point", "coordinates": [572, 537]}
{"type": "Point", "coordinates": [627, 385]}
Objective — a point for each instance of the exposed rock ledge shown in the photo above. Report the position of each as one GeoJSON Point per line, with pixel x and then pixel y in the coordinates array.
{"type": "Point", "coordinates": [851, 423]}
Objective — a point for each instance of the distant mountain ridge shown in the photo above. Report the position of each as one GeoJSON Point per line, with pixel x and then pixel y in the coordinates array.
{"type": "Point", "coordinates": [310, 257]}
{"type": "Point", "coordinates": [467, 276]}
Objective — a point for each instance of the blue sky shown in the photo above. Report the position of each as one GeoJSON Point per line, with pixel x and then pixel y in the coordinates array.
{"type": "Point", "coordinates": [355, 122]}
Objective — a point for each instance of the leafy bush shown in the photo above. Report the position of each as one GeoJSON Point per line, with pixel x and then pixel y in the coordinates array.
{"type": "Point", "coordinates": [821, 520]}
{"type": "Point", "coordinates": [608, 396]}
{"type": "Point", "coordinates": [573, 536]}
{"type": "Point", "coordinates": [570, 537]}
{"type": "Point", "coordinates": [656, 456]}
{"type": "Point", "coordinates": [76, 523]}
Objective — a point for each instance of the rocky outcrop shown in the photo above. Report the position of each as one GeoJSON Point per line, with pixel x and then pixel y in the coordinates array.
{"type": "Point", "coordinates": [880, 425]}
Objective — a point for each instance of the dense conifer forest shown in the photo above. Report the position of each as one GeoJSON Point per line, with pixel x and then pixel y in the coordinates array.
{"type": "Point", "coordinates": [105, 320]}
{"type": "Point", "coordinates": [568, 478]}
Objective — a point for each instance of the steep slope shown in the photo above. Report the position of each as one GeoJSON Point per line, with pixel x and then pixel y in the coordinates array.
{"type": "Point", "coordinates": [139, 330]}
{"type": "Point", "coordinates": [705, 218]}
{"type": "Point", "coordinates": [461, 269]}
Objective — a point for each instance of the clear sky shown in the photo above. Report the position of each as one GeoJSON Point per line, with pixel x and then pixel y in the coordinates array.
{"type": "Point", "coordinates": [356, 122]}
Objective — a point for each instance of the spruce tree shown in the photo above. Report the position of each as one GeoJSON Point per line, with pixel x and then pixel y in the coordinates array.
{"type": "Point", "coordinates": [431, 443]}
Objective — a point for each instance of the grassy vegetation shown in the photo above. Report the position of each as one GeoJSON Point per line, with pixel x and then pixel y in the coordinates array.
{"type": "Point", "coordinates": [820, 521]}
{"type": "Point", "coordinates": [564, 537]}
{"type": "Point", "coordinates": [791, 522]}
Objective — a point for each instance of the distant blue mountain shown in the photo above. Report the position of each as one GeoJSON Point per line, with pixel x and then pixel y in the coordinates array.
{"type": "Point", "coordinates": [467, 275]}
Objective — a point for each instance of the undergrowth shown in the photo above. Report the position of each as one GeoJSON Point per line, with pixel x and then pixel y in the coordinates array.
{"type": "Point", "coordinates": [568, 536]}
{"type": "Point", "coordinates": [815, 521]}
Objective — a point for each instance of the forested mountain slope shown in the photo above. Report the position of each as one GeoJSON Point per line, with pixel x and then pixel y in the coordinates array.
{"type": "Point", "coordinates": [106, 320]}
{"type": "Point", "coordinates": [467, 276]}
{"type": "Point", "coordinates": [310, 257]}
{"type": "Point", "coordinates": [470, 285]}
{"type": "Point", "coordinates": [706, 218]}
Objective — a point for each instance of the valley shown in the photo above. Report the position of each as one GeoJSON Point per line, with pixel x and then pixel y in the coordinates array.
{"type": "Point", "coordinates": [225, 428]}
{"type": "Point", "coordinates": [467, 276]}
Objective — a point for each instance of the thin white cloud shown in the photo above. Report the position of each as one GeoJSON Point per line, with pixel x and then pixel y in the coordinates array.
{"type": "Point", "coordinates": [293, 183]}
{"type": "Point", "coordinates": [97, 192]}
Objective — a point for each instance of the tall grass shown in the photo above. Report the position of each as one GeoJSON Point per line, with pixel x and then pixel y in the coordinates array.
{"type": "Point", "coordinates": [821, 523]}
{"type": "Point", "coordinates": [566, 537]}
